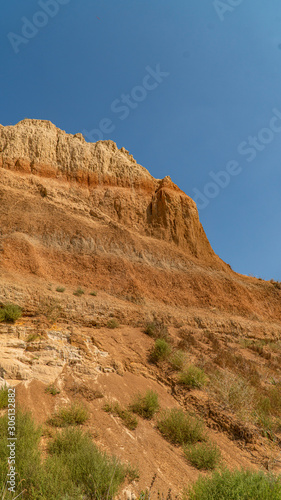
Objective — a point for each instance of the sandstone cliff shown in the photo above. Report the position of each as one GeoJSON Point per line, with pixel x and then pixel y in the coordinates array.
{"type": "Point", "coordinates": [89, 214]}
{"type": "Point", "coordinates": [74, 214]}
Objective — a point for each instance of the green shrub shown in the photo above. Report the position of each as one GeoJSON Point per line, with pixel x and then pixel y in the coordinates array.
{"type": "Point", "coordinates": [100, 476]}
{"type": "Point", "coordinates": [10, 313]}
{"type": "Point", "coordinates": [145, 406]}
{"type": "Point", "coordinates": [179, 427]}
{"type": "Point", "coordinates": [150, 329]}
{"type": "Point", "coordinates": [79, 292]}
{"type": "Point", "coordinates": [193, 377]}
{"type": "Point", "coordinates": [203, 455]}
{"type": "Point", "coordinates": [73, 469]}
{"type": "Point", "coordinates": [178, 359]}
{"type": "Point", "coordinates": [27, 453]}
{"type": "Point", "coordinates": [51, 389]}
{"type": "Point", "coordinates": [60, 289]}
{"type": "Point", "coordinates": [3, 397]}
{"type": "Point", "coordinates": [236, 485]}
{"type": "Point", "coordinates": [112, 323]}
{"type": "Point", "coordinates": [160, 352]}
{"type": "Point", "coordinates": [94, 294]}
{"type": "Point", "coordinates": [126, 416]}
{"type": "Point", "coordinates": [74, 414]}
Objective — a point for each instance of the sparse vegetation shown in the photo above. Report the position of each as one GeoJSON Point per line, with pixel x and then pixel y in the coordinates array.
{"type": "Point", "coordinates": [33, 336]}
{"type": "Point", "coordinates": [60, 289]}
{"type": "Point", "coordinates": [203, 455]}
{"type": "Point", "coordinates": [236, 485]}
{"type": "Point", "coordinates": [50, 307]}
{"type": "Point", "coordinates": [51, 389]}
{"type": "Point", "coordinates": [193, 377]}
{"type": "Point", "coordinates": [112, 323]}
{"type": "Point", "coordinates": [160, 351]}
{"type": "Point", "coordinates": [238, 365]}
{"type": "Point", "coordinates": [178, 359]}
{"type": "Point", "coordinates": [234, 392]}
{"type": "Point", "coordinates": [10, 313]}
{"type": "Point", "coordinates": [79, 292]}
{"type": "Point", "coordinates": [94, 294]}
{"type": "Point", "coordinates": [145, 406]}
{"type": "Point", "coordinates": [157, 330]}
{"type": "Point", "coordinates": [3, 397]}
{"type": "Point", "coordinates": [74, 414]}
{"type": "Point", "coordinates": [179, 427]}
{"type": "Point", "coordinates": [129, 420]}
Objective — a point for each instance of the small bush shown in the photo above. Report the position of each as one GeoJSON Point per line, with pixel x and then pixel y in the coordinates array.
{"type": "Point", "coordinates": [157, 330]}
{"type": "Point", "coordinates": [179, 427]}
{"type": "Point", "coordinates": [178, 359]}
{"type": "Point", "coordinates": [94, 294]}
{"type": "Point", "coordinates": [126, 416]}
{"type": "Point", "coordinates": [79, 292]}
{"type": "Point", "coordinates": [160, 352]}
{"type": "Point", "coordinates": [234, 392]}
{"type": "Point", "coordinates": [10, 313]}
{"type": "Point", "coordinates": [51, 389]}
{"type": "Point", "coordinates": [203, 455]}
{"type": "Point", "coordinates": [74, 414]}
{"type": "Point", "coordinates": [112, 323]}
{"type": "Point", "coordinates": [3, 397]}
{"type": "Point", "coordinates": [60, 289]}
{"type": "Point", "coordinates": [145, 406]}
{"type": "Point", "coordinates": [236, 485]}
{"type": "Point", "coordinates": [193, 377]}
{"type": "Point", "coordinates": [150, 329]}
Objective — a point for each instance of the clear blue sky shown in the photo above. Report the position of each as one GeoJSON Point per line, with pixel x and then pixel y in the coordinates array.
{"type": "Point", "coordinates": [221, 82]}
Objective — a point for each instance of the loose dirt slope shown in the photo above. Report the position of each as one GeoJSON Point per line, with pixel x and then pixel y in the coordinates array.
{"type": "Point", "coordinates": [74, 215]}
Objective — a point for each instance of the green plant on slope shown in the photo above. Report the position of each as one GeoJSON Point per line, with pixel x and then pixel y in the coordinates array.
{"type": "Point", "coordinates": [235, 485]}
{"type": "Point", "coordinates": [10, 313]}
{"type": "Point", "coordinates": [193, 377]}
{"type": "Point", "coordinates": [3, 397]}
{"type": "Point", "coordinates": [179, 427]}
{"type": "Point", "coordinates": [203, 455]}
{"type": "Point", "coordinates": [145, 405]}
{"type": "Point", "coordinates": [74, 414]}
{"type": "Point", "coordinates": [129, 420]}
{"type": "Point", "coordinates": [160, 352]}
{"type": "Point", "coordinates": [74, 468]}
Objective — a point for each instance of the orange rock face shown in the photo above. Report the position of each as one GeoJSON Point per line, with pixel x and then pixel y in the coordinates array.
{"type": "Point", "coordinates": [89, 214]}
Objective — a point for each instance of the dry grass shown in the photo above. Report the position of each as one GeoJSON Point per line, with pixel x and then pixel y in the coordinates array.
{"type": "Point", "coordinates": [238, 365]}
{"type": "Point", "coordinates": [234, 393]}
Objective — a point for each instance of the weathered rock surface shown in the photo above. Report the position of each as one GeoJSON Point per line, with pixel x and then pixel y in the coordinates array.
{"type": "Point", "coordinates": [88, 214]}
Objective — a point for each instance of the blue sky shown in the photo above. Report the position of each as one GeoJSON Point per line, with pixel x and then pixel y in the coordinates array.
{"type": "Point", "coordinates": [211, 110]}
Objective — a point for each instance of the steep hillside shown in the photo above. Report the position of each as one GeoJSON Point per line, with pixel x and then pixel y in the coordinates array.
{"type": "Point", "coordinates": [97, 252]}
